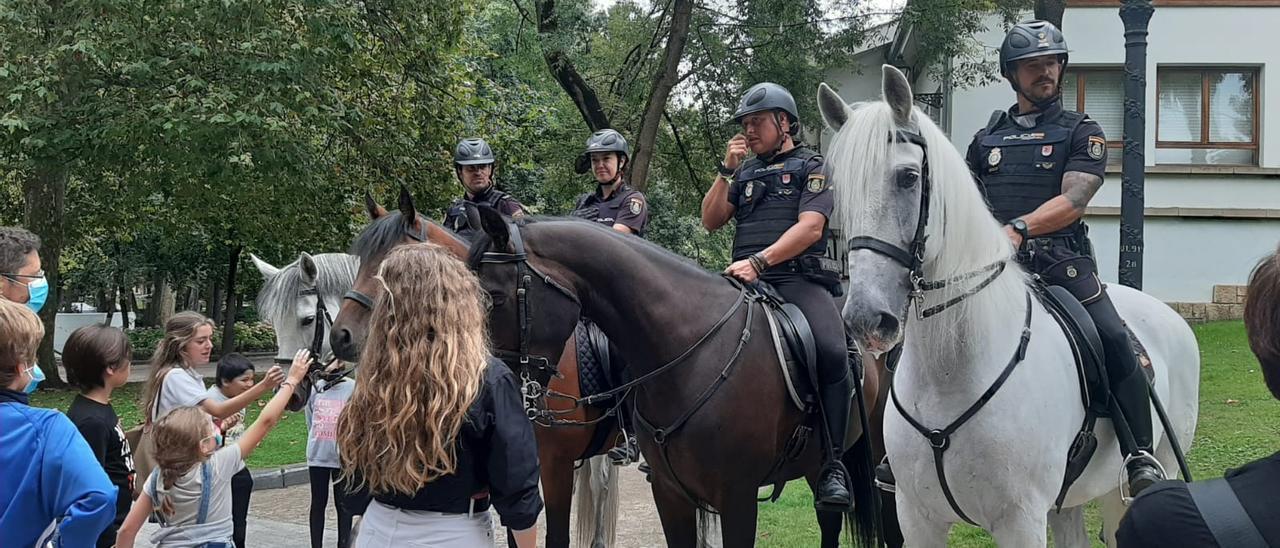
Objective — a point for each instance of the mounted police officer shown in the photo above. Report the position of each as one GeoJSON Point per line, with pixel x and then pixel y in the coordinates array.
{"type": "Point", "coordinates": [1038, 165]}
{"type": "Point", "coordinates": [781, 202]}
{"type": "Point", "coordinates": [614, 203]}
{"type": "Point", "coordinates": [618, 206]}
{"type": "Point", "coordinates": [473, 164]}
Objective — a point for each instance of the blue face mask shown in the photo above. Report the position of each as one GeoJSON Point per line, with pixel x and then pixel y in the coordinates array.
{"type": "Point", "coordinates": [37, 375]}
{"type": "Point", "coordinates": [37, 292]}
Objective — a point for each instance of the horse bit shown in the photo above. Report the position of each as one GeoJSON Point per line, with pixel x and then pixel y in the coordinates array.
{"type": "Point", "coordinates": [913, 259]}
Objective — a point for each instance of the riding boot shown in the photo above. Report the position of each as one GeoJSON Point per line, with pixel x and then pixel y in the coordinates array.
{"type": "Point", "coordinates": [833, 483]}
{"type": "Point", "coordinates": [1132, 395]}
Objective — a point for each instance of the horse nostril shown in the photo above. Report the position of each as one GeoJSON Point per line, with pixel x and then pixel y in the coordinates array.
{"type": "Point", "coordinates": [888, 324]}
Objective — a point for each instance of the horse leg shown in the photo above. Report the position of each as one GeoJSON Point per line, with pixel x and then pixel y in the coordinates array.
{"type": "Point", "coordinates": [738, 521]}
{"type": "Point", "coordinates": [875, 386]}
{"type": "Point", "coordinates": [678, 515]}
{"type": "Point", "coordinates": [1068, 528]}
{"type": "Point", "coordinates": [918, 530]}
{"type": "Point", "coordinates": [828, 522]}
{"type": "Point", "coordinates": [1113, 509]}
{"type": "Point", "coordinates": [557, 495]}
{"type": "Point", "coordinates": [1021, 531]}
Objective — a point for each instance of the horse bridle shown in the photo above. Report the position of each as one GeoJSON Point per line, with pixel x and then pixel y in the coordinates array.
{"type": "Point", "coordinates": [366, 301]}
{"type": "Point", "coordinates": [913, 256]}
{"type": "Point", "coordinates": [522, 360]}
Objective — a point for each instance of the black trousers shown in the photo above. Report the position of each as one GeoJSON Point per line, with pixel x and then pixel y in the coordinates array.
{"type": "Point", "coordinates": [820, 310]}
{"type": "Point", "coordinates": [348, 502]}
{"type": "Point", "coordinates": [241, 488]}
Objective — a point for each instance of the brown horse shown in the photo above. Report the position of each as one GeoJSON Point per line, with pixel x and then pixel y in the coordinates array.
{"type": "Point", "coordinates": [559, 447]}
{"type": "Point", "coordinates": [713, 415]}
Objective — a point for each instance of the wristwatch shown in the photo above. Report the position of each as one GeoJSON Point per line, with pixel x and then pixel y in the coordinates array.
{"type": "Point", "coordinates": [1020, 226]}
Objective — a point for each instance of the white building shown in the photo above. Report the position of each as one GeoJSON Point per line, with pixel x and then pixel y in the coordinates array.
{"type": "Point", "coordinates": [1212, 151]}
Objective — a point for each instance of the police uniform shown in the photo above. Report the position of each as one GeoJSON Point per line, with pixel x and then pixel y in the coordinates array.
{"type": "Point", "coordinates": [1019, 162]}
{"type": "Point", "coordinates": [626, 206]}
{"type": "Point", "coordinates": [455, 218]}
{"type": "Point", "coordinates": [769, 196]}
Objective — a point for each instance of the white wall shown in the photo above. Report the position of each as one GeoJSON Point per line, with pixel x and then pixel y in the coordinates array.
{"type": "Point", "coordinates": [1184, 258]}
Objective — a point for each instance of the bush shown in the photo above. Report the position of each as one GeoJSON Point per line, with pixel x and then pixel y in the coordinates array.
{"type": "Point", "coordinates": [250, 337]}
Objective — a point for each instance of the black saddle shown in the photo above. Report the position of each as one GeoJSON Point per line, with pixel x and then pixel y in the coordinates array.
{"type": "Point", "coordinates": [799, 350]}
{"type": "Point", "coordinates": [596, 371]}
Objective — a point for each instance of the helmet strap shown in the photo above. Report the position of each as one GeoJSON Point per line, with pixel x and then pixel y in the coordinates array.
{"type": "Point", "coordinates": [782, 135]}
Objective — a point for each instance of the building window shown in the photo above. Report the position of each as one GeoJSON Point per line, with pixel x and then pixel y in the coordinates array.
{"type": "Point", "coordinates": [1099, 93]}
{"type": "Point", "coordinates": [1207, 116]}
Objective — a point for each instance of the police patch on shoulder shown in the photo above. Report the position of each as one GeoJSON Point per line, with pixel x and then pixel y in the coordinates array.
{"type": "Point", "coordinates": [817, 182]}
{"type": "Point", "coordinates": [635, 206]}
{"type": "Point", "coordinates": [1097, 147]}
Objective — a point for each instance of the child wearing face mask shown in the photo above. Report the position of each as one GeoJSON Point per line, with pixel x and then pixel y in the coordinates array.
{"type": "Point", "coordinates": [52, 488]}
{"type": "Point", "coordinates": [189, 491]}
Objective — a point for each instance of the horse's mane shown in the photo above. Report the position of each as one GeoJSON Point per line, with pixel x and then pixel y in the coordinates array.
{"type": "Point", "coordinates": [335, 272]}
{"type": "Point", "coordinates": [652, 251]}
{"type": "Point", "coordinates": [380, 236]}
{"type": "Point", "coordinates": [963, 235]}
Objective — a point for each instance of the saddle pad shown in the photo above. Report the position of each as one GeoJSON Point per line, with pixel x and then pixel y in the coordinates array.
{"type": "Point", "coordinates": [593, 375]}
{"type": "Point", "coordinates": [793, 343]}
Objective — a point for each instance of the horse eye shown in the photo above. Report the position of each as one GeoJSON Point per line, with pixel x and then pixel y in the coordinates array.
{"type": "Point", "coordinates": [308, 320]}
{"type": "Point", "coordinates": [497, 298]}
{"type": "Point", "coordinates": [908, 178]}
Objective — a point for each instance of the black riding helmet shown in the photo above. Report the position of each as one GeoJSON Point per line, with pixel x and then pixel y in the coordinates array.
{"type": "Point", "coordinates": [768, 96]}
{"type": "Point", "coordinates": [472, 152]}
{"type": "Point", "coordinates": [1032, 39]}
{"type": "Point", "coordinates": [605, 140]}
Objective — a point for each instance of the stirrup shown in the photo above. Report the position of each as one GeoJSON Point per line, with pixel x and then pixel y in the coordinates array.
{"type": "Point", "coordinates": [626, 454]}
{"type": "Point", "coordinates": [890, 486]}
{"type": "Point", "coordinates": [1125, 496]}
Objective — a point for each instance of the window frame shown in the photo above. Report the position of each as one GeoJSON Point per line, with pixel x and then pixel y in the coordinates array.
{"type": "Point", "coordinates": [1081, 75]}
{"type": "Point", "coordinates": [1253, 71]}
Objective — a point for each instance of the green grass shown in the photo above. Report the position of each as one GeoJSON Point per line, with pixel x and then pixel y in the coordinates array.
{"type": "Point", "coordinates": [287, 444]}
{"type": "Point", "coordinates": [1237, 424]}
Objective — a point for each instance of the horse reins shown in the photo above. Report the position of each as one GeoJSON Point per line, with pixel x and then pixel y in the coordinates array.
{"type": "Point", "coordinates": [913, 259]}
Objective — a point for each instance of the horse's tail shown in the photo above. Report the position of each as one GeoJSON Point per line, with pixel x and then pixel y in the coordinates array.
{"type": "Point", "coordinates": [864, 522]}
{"type": "Point", "coordinates": [709, 535]}
{"type": "Point", "coordinates": [597, 502]}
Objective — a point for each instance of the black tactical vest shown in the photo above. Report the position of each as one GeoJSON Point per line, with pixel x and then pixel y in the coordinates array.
{"type": "Point", "coordinates": [1019, 169]}
{"type": "Point", "coordinates": [455, 218]}
{"type": "Point", "coordinates": [605, 212]}
{"type": "Point", "coordinates": [769, 203]}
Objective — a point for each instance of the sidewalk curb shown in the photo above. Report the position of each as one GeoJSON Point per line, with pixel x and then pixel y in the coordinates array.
{"type": "Point", "coordinates": [280, 477]}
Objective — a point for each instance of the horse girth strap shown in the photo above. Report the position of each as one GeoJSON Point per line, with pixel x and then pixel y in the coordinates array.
{"type": "Point", "coordinates": [940, 439]}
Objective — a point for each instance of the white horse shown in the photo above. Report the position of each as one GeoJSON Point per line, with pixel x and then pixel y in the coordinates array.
{"type": "Point", "coordinates": [1005, 465]}
{"type": "Point", "coordinates": [289, 297]}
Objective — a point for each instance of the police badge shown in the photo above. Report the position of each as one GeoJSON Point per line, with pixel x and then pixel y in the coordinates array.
{"type": "Point", "coordinates": [817, 182]}
{"type": "Point", "coordinates": [993, 159]}
{"type": "Point", "coordinates": [1071, 271]}
{"type": "Point", "coordinates": [1097, 147]}
{"type": "Point", "coordinates": [635, 206]}
{"type": "Point", "coordinates": [747, 191]}
{"type": "Point", "coordinates": [786, 178]}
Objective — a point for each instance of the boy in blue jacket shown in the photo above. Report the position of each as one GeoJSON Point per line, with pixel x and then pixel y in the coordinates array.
{"type": "Point", "coordinates": [52, 488]}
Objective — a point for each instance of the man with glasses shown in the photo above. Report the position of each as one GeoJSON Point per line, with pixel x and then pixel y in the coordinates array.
{"type": "Point", "coordinates": [21, 279]}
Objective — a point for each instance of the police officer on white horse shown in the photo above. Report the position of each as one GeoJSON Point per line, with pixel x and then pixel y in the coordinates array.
{"type": "Point", "coordinates": [474, 165]}
{"type": "Point", "coordinates": [781, 202]}
{"type": "Point", "coordinates": [1038, 165]}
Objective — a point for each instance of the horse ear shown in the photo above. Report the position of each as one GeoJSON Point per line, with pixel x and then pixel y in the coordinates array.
{"type": "Point", "coordinates": [495, 225]}
{"type": "Point", "coordinates": [264, 267]}
{"type": "Point", "coordinates": [406, 204]}
{"type": "Point", "coordinates": [307, 266]}
{"type": "Point", "coordinates": [834, 112]}
{"type": "Point", "coordinates": [370, 205]}
{"type": "Point", "coordinates": [897, 92]}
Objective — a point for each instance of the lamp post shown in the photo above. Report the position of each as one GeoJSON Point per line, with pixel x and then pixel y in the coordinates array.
{"type": "Point", "coordinates": [1136, 14]}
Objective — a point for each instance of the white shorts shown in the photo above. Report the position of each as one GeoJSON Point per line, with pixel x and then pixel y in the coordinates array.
{"type": "Point", "coordinates": [389, 527]}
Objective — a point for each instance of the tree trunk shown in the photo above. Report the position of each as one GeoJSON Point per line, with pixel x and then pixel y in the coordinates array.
{"type": "Point", "coordinates": [45, 194]}
{"type": "Point", "coordinates": [1051, 11]}
{"type": "Point", "coordinates": [564, 71]}
{"type": "Point", "coordinates": [668, 73]}
{"type": "Point", "coordinates": [229, 314]}
{"type": "Point", "coordinates": [124, 305]}
{"type": "Point", "coordinates": [215, 299]}
{"type": "Point", "coordinates": [164, 300]}
{"type": "Point", "coordinates": [107, 302]}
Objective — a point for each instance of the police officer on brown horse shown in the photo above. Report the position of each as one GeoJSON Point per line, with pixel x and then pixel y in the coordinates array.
{"type": "Point", "coordinates": [473, 164]}
{"type": "Point", "coordinates": [781, 202]}
{"type": "Point", "coordinates": [1038, 165]}
{"type": "Point", "coordinates": [618, 206]}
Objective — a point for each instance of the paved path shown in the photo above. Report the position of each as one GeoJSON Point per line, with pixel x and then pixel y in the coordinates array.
{"type": "Point", "coordinates": [278, 518]}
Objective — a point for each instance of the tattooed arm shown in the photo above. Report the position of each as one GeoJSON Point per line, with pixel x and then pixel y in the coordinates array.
{"type": "Point", "coordinates": [1077, 189]}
